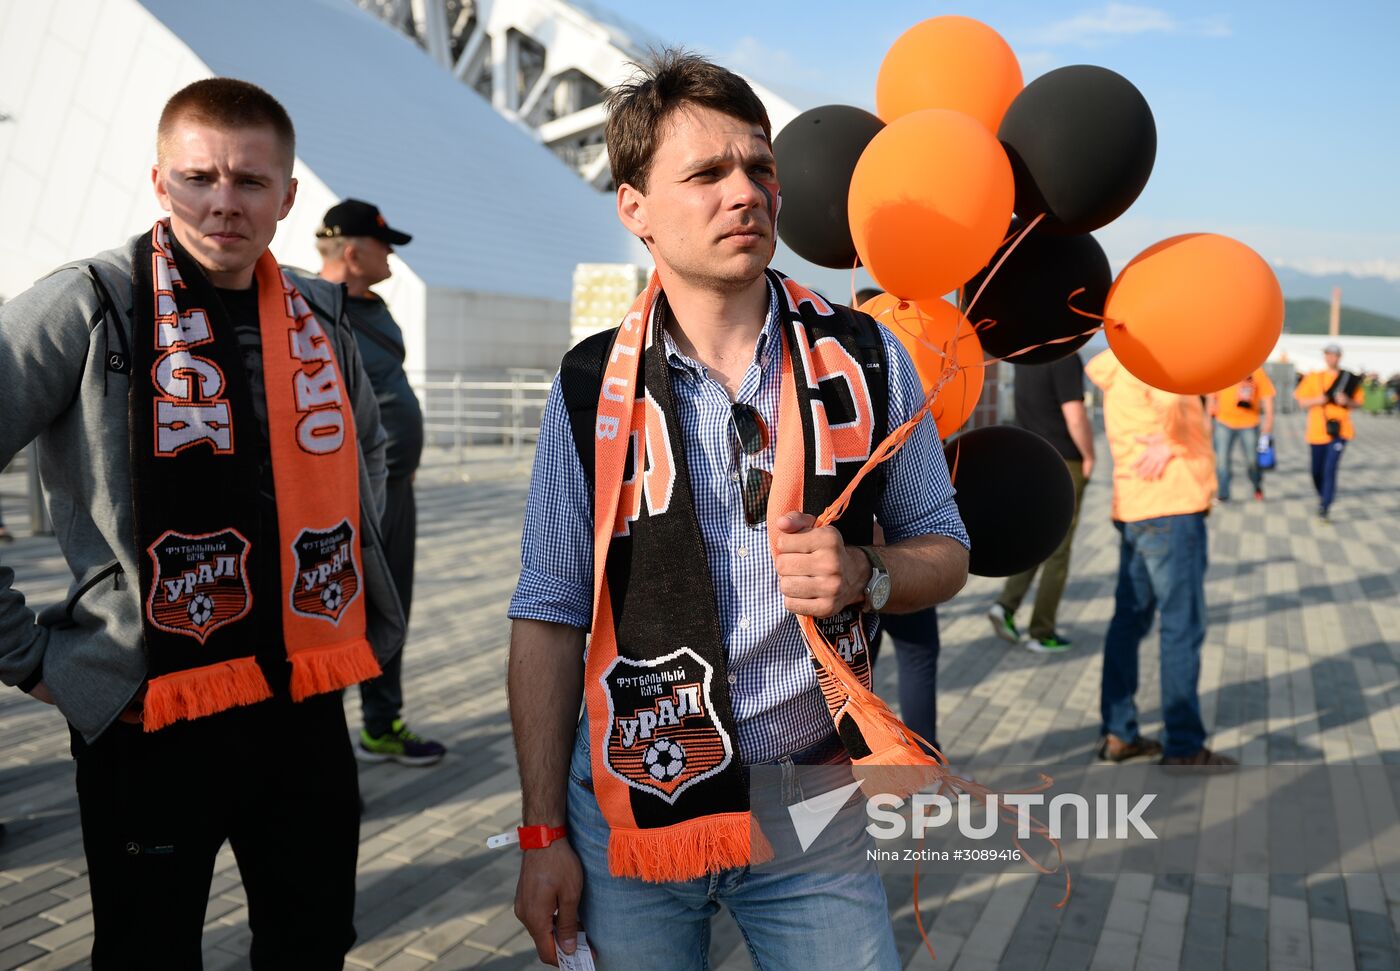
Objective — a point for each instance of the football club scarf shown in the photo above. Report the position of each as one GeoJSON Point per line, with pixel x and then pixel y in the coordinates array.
{"type": "Point", "coordinates": [228, 599]}
{"type": "Point", "coordinates": [666, 770]}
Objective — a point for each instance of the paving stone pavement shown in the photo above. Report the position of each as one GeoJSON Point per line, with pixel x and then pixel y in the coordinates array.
{"type": "Point", "coordinates": [1301, 664]}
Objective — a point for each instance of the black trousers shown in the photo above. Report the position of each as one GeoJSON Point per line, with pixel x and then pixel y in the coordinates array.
{"type": "Point", "coordinates": [277, 780]}
{"type": "Point", "coordinates": [381, 699]}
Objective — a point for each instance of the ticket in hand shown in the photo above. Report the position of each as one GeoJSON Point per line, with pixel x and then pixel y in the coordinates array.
{"type": "Point", "coordinates": [580, 960]}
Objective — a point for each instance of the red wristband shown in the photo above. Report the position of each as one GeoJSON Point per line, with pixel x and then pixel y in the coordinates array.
{"type": "Point", "coordinates": [538, 837]}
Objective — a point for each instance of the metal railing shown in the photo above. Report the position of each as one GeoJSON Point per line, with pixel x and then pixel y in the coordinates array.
{"type": "Point", "coordinates": [466, 409]}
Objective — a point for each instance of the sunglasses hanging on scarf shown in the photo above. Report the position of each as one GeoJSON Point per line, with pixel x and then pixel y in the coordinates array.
{"type": "Point", "coordinates": [753, 439]}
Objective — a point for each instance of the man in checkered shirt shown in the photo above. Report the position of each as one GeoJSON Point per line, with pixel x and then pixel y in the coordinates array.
{"type": "Point", "coordinates": [691, 153]}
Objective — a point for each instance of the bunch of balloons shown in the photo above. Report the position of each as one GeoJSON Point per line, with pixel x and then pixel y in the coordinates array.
{"type": "Point", "coordinates": [969, 180]}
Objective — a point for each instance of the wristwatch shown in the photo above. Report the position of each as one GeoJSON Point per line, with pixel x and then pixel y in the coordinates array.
{"type": "Point", "coordinates": [877, 591]}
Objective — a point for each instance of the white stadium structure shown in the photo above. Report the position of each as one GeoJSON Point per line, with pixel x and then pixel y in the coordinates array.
{"type": "Point", "coordinates": [475, 126]}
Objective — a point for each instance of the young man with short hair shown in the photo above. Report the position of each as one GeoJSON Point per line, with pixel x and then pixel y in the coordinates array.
{"type": "Point", "coordinates": [186, 399]}
{"type": "Point", "coordinates": [681, 463]}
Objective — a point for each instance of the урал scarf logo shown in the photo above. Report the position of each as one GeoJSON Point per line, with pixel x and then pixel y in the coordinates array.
{"type": "Point", "coordinates": [233, 586]}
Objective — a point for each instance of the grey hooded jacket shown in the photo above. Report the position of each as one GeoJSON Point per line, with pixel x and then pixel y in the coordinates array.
{"type": "Point", "coordinates": [62, 381]}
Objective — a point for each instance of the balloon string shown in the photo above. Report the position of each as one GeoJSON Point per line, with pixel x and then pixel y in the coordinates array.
{"type": "Point", "coordinates": [1036, 347]}
{"type": "Point", "coordinates": [837, 666]}
{"type": "Point", "coordinates": [918, 916]}
{"type": "Point", "coordinates": [1107, 321]}
{"type": "Point", "coordinates": [854, 266]}
{"type": "Point", "coordinates": [892, 443]}
{"type": "Point", "coordinates": [866, 700]}
{"type": "Point", "coordinates": [896, 323]}
{"type": "Point", "coordinates": [997, 266]}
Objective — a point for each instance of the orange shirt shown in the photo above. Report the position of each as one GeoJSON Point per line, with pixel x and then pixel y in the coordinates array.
{"type": "Point", "coordinates": [1316, 383]}
{"type": "Point", "coordinates": [1131, 409]}
{"type": "Point", "coordinates": [1242, 405]}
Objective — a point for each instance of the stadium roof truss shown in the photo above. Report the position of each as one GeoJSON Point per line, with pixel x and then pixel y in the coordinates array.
{"type": "Point", "coordinates": [543, 64]}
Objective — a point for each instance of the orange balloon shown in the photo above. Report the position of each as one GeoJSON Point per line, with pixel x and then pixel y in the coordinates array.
{"type": "Point", "coordinates": [927, 331]}
{"type": "Point", "coordinates": [949, 62]}
{"type": "Point", "coordinates": [1194, 313]}
{"type": "Point", "coordinates": [930, 201]}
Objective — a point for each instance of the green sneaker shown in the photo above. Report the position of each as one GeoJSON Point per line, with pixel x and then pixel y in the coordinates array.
{"type": "Point", "coordinates": [1054, 644]}
{"type": "Point", "coordinates": [400, 745]}
{"type": "Point", "coordinates": [1004, 624]}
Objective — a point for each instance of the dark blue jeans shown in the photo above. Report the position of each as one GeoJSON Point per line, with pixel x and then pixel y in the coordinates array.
{"type": "Point", "coordinates": [1325, 460]}
{"type": "Point", "coordinates": [916, 646]}
{"type": "Point", "coordinates": [1161, 569]}
{"type": "Point", "coordinates": [1225, 439]}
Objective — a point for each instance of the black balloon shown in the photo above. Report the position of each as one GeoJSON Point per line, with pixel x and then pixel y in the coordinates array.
{"type": "Point", "coordinates": [1027, 301]}
{"type": "Point", "coordinates": [817, 154]}
{"type": "Point", "coordinates": [1082, 142]}
{"type": "Point", "coordinates": [1015, 496]}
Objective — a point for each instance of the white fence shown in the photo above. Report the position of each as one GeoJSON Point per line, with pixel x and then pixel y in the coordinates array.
{"type": "Point", "coordinates": [462, 410]}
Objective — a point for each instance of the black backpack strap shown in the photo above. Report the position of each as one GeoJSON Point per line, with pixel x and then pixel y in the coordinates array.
{"type": "Point", "coordinates": [399, 352]}
{"type": "Point", "coordinates": [874, 363]}
{"type": "Point", "coordinates": [580, 380]}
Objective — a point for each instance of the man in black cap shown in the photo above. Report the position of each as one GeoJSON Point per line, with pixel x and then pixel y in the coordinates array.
{"type": "Point", "coordinates": [355, 242]}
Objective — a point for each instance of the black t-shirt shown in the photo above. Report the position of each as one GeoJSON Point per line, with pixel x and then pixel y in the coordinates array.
{"type": "Point", "coordinates": [1040, 391]}
{"type": "Point", "coordinates": [241, 309]}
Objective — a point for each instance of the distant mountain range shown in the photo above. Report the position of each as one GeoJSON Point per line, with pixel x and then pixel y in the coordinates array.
{"type": "Point", "coordinates": [1373, 293]}
{"type": "Point", "coordinates": [1308, 315]}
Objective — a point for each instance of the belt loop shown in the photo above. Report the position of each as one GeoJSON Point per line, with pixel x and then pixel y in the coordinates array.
{"type": "Point", "coordinates": [791, 788]}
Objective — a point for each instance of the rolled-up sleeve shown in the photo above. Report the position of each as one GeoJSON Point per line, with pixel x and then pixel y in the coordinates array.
{"type": "Point", "coordinates": [918, 498]}
{"type": "Point", "coordinates": [556, 543]}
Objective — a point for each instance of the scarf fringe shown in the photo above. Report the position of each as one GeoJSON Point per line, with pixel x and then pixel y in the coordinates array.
{"type": "Point", "coordinates": [900, 771]}
{"type": "Point", "coordinates": [689, 849]}
{"type": "Point", "coordinates": [316, 670]}
{"type": "Point", "coordinates": [197, 692]}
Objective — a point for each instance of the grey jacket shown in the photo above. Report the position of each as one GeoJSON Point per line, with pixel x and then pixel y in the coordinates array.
{"type": "Point", "coordinates": [61, 381]}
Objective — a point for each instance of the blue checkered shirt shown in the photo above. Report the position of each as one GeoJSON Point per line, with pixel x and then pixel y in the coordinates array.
{"type": "Point", "coordinates": [777, 706]}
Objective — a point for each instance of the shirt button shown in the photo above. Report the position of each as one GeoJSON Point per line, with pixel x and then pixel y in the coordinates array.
{"type": "Point", "coordinates": [733, 679]}
{"type": "Point", "coordinates": [734, 476]}
{"type": "Point", "coordinates": [743, 551]}
{"type": "Point", "coordinates": [744, 623]}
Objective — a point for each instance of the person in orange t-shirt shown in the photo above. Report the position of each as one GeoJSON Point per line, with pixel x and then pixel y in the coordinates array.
{"type": "Point", "coordinates": [1163, 480]}
{"type": "Point", "coordinates": [1329, 424]}
{"type": "Point", "coordinates": [1242, 412]}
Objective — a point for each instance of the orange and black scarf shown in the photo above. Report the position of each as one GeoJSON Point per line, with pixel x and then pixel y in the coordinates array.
{"type": "Point", "coordinates": [235, 594]}
{"type": "Point", "coordinates": [666, 769]}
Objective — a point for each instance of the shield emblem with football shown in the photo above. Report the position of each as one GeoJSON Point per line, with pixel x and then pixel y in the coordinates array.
{"type": "Point", "coordinates": [327, 577]}
{"type": "Point", "coordinates": [200, 582]}
{"type": "Point", "coordinates": [663, 734]}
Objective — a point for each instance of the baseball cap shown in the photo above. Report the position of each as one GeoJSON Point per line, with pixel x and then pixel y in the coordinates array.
{"type": "Point", "coordinates": [1332, 349]}
{"type": "Point", "coordinates": [355, 217]}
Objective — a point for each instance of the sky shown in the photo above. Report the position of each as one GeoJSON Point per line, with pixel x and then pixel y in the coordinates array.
{"type": "Point", "coordinates": [1278, 123]}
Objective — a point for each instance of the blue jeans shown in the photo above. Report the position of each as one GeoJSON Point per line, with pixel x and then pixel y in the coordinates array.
{"type": "Point", "coordinates": [807, 921]}
{"type": "Point", "coordinates": [916, 646]}
{"type": "Point", "coordinates": [1161, 568]}
{"type": "Point", "coordinates": [1325, 461]}
{"type": "Point", "coordinates": [1225, 439]}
